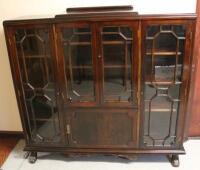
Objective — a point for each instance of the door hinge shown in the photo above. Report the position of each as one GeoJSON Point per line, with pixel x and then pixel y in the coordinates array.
{"type": "Point", "coordinates": [68, 129]}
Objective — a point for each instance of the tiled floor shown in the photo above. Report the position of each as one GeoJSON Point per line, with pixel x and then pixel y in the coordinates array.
{"type": "Point", "coordinates": [46, 161]}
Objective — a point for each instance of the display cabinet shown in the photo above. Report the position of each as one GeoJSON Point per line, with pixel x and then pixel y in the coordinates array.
{"type": "Point", "coordinates": [102, 80]}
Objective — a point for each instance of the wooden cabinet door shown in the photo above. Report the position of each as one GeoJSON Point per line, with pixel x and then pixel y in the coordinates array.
{"type": "Point", "coordinates": [101, 128]}
{"type": "Point", "coordinates": [77, 61]}
{"type": "Point", "coordinates": [118, 63]}
{"type": "Point", "coordinates": [34, 67]}
{"type": "Point", "coordinates": [166, 65]}
{"type": "Point", "coordinates": [99, 63]}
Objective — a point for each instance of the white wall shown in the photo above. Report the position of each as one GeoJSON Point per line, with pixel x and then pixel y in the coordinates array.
{"type": "Point", "coordinates": [9, 9]}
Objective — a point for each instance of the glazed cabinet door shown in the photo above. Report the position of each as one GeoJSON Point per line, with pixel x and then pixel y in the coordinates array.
{"type": "Point", "coordinates": [117, 58]}
{"type": "Point", "coordinates": [166, 65]}
{"type": "Point", "coordinates": [33, 64]}
{"type": "Point", "coordinates": [101, 128]}
{"type": "Point", "coordinates": [77, 63]}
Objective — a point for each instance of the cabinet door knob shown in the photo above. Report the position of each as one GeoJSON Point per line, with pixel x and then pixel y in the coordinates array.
{"type": "Point", "coordinates": [99, 56]}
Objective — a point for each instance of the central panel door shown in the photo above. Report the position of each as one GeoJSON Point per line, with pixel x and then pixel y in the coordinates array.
{"type": "Point", "coordinates": [101, 128]}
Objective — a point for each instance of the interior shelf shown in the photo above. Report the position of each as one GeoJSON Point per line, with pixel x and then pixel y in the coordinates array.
{"type": "Point", "coordinates": [104, 43]}
{"type": "Point", "coordinates": [37, 56]}
{"type": "Point", "coordinates": [80, 43]}
{"type": "Point", "coordinates": [82, 67]}
{"type": "Point", "coordinates": [117, 66]}
{"type": "Point", "coordinates": [161, 110]}
{"type": "Point", "coordinates": [148, 82]}
{"type": "Point", "coordinates": [116, 42]}
{"type": "Point", "coordinates": [152, 38]}
{"type": "Point", "coordinates": [161, 106]}
{"type": "Point", "coordinates": [46, 89]}
{"type": "Point", "coordinates": [163, 53]}
{"type": "Point", "coordinates": [45, 119]}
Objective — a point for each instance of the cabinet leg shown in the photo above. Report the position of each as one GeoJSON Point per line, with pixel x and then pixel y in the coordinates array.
{"type": "Point", "coordinates": [32, 157]}
{"type": "Point", "coordinates": [174, 159]}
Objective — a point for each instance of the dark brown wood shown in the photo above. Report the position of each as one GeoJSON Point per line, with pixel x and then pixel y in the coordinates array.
{"type": "Point", "coordinates": [99, 18]}
{"type": "Point", "coordinates": [105, 125]}
{"type": "Point", "coordinates": [99, 9]}
{"type": "Point", "coordinates": [104, 150]}
{"type": "Point", "coordinates": [99, 125]}
{"type": "Point", "coordinates": [194, 109]}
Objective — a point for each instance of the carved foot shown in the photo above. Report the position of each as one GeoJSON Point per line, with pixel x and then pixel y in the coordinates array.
{"type": "Point", "coordinates": [174, 159]}
{"type": "Point", "coordinates": [32, 157]}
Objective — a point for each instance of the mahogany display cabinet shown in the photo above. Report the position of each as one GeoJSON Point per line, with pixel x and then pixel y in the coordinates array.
{"type": "Point", "coordinates": [102, 80]}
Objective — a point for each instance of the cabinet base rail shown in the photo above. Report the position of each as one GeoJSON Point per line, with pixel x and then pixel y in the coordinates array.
{"type": "Point", "coordinates": [173, 158]}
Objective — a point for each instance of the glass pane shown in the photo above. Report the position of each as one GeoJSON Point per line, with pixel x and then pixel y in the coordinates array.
{"type": "Point", "coordinates": [78, 64]}
{"type": "Point", "coordinates": [35, 61]}
{"type": "Point", "coordinates": [163, 79]}
{"type": "Point", "coordinates": [101, 128]}
{"type": "Point", "coordinates": [117, 58]}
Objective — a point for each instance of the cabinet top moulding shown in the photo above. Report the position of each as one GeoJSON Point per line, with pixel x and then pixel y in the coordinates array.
{"type": "Point", "coordinates": [109, 13]}
{"type": "Point", "coordinates": [99, 9]}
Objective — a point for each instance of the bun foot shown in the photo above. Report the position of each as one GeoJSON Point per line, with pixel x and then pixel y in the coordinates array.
{"type": "Point", "coordinates": [32, 157]}
{"type": "Point", "coordinates": [174, 159]}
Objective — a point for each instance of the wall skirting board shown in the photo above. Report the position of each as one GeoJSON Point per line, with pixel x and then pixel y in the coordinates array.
{"type": "Point", "coordinates": [11, 134]}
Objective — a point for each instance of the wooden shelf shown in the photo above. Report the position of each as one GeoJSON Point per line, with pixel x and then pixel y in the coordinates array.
{"type": "Point", "coordinates": [82, 67]}
{"type": "Point", "coordinates": [163, 53]}
{"type": "Point", "coordinates": [116, 42]}
{"type": "Point", "coordinates": [51, 89]}
{"type": "Point", "coordinates": [117, 66]}
{"type": "Point", "coordinates": [151, 38]}
{"type": "Point", "coordinates": [82, 33]}
{"type": "Point", "coordinates": [160, 110]}
{"type": "Point", "coordinates": [104, 43]}
{"type": "Point", "coordinates": [80, 43]}
{"type": "Point", "coordinates": [161, 106]}
{"type": "Point", "coordinates": [162, 82]}
{"type": "Point", "coordinates": [37, 56]}
{"type": "Point", "coordinates": [44, 119]}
